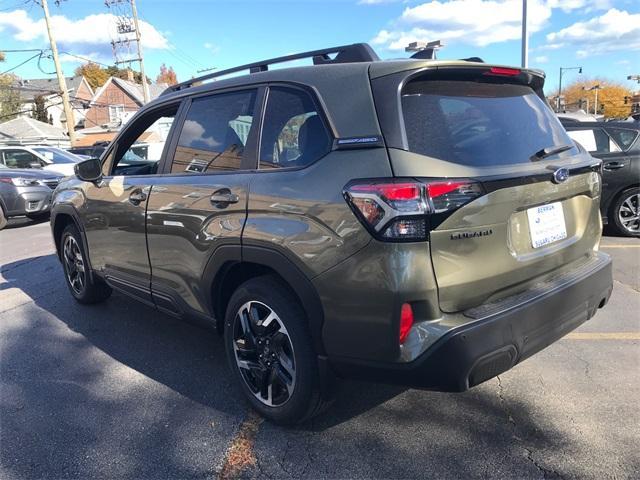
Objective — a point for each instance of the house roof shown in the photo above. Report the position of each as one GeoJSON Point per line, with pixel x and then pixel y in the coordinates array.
{"type": "Point", "coordinates": [134, 90]}
{"type": "Point", "coordinates": [30, 88]}
{"type": "Point", "coordinates": [26, 127]}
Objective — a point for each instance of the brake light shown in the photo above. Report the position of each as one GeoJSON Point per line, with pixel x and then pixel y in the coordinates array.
{"type": "Point", "coordinates": [398, 210]}
{"type": "Point", "coordinates": [502, 71]}
{"type": "Point", "coordinates": [406, 321]}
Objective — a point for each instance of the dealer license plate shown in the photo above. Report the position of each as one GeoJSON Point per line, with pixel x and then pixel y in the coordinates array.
{"type": "Point", "coordinates": [546, 224]}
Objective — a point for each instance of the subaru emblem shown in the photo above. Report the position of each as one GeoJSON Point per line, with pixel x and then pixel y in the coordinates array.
{"type": "Point", "coordinates": [560, 175]}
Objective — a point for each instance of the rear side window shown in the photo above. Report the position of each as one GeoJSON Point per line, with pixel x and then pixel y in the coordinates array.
{"type": "Point", "coordinates": [623, 137]}
{"type": "Point", "coordinates": [594, 140]}
{"type": "Point", "coordinates": [215, 133]}
{"type": "Point", "coordinates": [293, 134]}
{"type": "Point", "coordinates": [478, 124]}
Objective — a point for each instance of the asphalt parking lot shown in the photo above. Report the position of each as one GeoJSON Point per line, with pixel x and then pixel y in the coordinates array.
{"type": "Point", "coordinates": [122, 391]}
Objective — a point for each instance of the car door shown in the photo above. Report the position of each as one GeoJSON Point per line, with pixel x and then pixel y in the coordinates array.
{"type": "Point", "coordinates": [114, 208]}
{"type": "Point", "coordinates": [615, 162]}
{"type": "Point", "coordinates": [199, 204]}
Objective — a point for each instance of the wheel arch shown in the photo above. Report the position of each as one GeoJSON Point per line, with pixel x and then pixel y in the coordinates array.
{"type": "Point", "coordinates": [230, 266]}
{"type": "Point", "coordinates": [66, 215]}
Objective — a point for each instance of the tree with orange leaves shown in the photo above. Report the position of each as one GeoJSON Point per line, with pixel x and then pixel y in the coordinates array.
{"type": "Point", "coordinates": [611, 97]}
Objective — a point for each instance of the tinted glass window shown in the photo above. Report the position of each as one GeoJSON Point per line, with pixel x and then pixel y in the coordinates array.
{"type": "Point", "coordinates": [56, 155]}
{"type": "Point", "coordinates": [293, 134]}
{"type": "Point", "coordinates": [20, 159]}
{"type": "Point", "coordinates": [623, 137]}
{"type": "Point", "coordinates": [594, 140]}
{"type": "Point", "coordinates": [478, 124]}
{"type": "Point", "coordinates": [215, 133]}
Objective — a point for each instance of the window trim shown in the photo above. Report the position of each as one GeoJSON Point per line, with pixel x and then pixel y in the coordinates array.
{"type": "Point", "coordinates": [107, 155]}
{"type": "Point", "coordinates": [320, 111]}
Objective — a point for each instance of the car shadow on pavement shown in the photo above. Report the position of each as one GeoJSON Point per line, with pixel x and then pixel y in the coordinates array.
{"type": "Point", "coordinates": [71, 410]}
{"type": "Point", "coordinates": [18, 222]}
{"type": "Point", "coordinates": [185, 357]}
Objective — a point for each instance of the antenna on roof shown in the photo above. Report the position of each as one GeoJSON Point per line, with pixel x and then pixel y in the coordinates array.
{"type": "Point", "coordinates": [424, 50]}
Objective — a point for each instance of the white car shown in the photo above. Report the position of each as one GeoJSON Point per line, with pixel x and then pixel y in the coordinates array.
{"type": "Point", "coordinates": [48, 158]}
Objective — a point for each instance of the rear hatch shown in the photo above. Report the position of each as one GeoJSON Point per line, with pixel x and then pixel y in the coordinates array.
{"type": "Point", "coordinates": [513, 197]}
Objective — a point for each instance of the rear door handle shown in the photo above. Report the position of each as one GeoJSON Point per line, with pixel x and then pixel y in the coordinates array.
{"type": "Point", "coordinates": [137, 197]}
{"type": "Point", "coordinates": [613, 166]}
{"type": "Point", "coordinates": [223, 197]}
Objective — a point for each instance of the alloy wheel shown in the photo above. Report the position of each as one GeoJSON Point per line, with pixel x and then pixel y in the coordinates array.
{"type": "Point", "coordinates": [264, 353]}
{"type": "Point", "coordinates": [629, 213]}
{"type": "Point", "coordinates": [74, 264]}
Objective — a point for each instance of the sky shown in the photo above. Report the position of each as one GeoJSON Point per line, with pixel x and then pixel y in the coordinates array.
{"type": "Point", "coordinates": [601, 36]}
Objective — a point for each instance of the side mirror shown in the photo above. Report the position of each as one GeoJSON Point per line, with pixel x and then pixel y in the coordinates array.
{"type": "Point", "coordinates": [89, 170]}
{"type": "Point", "coordinates": [35, 165]}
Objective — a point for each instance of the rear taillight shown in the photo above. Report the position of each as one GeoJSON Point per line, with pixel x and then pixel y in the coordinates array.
{"type": "Point", "coordinates": [406, 321]}
{"type": "Point", "coordinates": [399, 210]}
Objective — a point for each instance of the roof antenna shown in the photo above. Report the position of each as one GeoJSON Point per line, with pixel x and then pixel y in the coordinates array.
{"type": "Point", "coordinates": [424, 50]}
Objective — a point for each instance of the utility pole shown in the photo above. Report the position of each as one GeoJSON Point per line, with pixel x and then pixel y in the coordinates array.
{"type": "Point", "coordinates": [62, 84]}
{"type": "Point", "coordinates": [127, 24]}
{"type": "Point", "coordinates": [525, 36]}
{"type": "Point", "coordinates": [145, 86]}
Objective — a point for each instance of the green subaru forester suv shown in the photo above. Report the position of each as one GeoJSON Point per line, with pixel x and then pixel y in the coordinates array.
{"type": "Point", "coordinates": [421, 222]}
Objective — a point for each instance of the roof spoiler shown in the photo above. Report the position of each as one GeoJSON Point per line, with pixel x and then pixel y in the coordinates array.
{"type": "Point", "coordinates": [357, 52]}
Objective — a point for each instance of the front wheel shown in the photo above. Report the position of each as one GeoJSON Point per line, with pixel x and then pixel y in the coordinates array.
{"type": "Point", "coordinates": [626, 212]}
{"type": "Point", "coordinates": [84, 288]}
{"type": "Point", "coordinates": [269, 349]}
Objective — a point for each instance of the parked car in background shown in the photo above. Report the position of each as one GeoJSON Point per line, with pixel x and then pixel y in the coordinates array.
{"type": "Point", "coordinates": [617, 144]}
{"type": "Point", "coordinates": [93, 151]}
{"type": "Point", "coordinates": [25, 192]}
{"type": "Point", "coordinates": [45, 157]}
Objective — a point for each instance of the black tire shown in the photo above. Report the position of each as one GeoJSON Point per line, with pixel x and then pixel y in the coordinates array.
{"type": "Point", "coordinates": [623, 219]}
{"type": "Point", "coordinates": [89, 289]}
{"type": "Point", "coordinates": [305, 400]}
{"type": "Point", "coordinates": [3, 219]}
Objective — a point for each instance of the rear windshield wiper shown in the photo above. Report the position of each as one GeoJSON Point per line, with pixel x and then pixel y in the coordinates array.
{"type": "Point", "coordinates": [548, 151]}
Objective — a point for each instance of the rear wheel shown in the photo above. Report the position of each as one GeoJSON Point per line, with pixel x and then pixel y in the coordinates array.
{"type": "Point", "coordinates": [626, 213]}
{"type": "Point", "coordinates": [270, 352]}
{"type": "Point", "coordinates": [84, 288]}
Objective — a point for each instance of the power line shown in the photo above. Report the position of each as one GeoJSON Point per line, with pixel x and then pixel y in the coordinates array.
{"type": "Point", "coordinates": [86, 59]}
{"type": "Point", "coordinates": [21, 64]}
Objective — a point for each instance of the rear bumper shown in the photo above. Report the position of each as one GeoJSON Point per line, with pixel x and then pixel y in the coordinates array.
{"type": "Point", "coordinates": [500, 335]}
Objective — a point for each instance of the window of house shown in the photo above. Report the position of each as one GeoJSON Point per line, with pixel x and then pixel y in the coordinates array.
{"type": "Point", "coordinates": [293, 134]}
{"type": "Point", "coordinates": [152, 132]}
{"type": "Point", "coordinates": [116, 113]}
{"type": "Point", "coordinates": [215, 133]}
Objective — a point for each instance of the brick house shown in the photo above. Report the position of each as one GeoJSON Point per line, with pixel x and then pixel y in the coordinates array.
{"type": "Point", "coordinates": [115, 102]}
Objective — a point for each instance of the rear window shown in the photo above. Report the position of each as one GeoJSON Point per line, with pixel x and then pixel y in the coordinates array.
{"type": "Point", "coordinates": [479, 124]}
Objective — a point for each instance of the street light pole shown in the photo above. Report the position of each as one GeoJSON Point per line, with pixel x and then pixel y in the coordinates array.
{"type": "Point", "coordinates": [564, 69]}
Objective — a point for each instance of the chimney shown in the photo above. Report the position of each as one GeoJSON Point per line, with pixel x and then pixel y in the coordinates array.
{"type": "Point", "coordinates": [130, 75]}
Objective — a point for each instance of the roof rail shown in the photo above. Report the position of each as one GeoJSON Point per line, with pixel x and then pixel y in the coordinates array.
{"type": "Point", "coordinates": [357, 52]}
